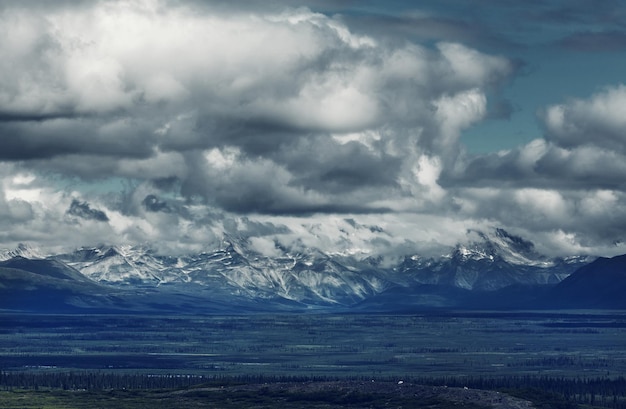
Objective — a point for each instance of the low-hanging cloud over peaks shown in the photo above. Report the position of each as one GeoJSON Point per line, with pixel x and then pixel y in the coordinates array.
{"type": "Point", "coordinates": [572, 179]}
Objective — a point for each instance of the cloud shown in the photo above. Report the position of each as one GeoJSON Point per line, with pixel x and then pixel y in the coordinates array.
{"type": "Point", "coordinates": [289, 127]}
{"type": "Point", "coordinates": [572, 181]}
{"type": "Point", "coordinates": [150, 90]}
{"type": "Point", "coordinates": [63, 136]}
{"type": "Point", "coordinates": [594, 220]}
{"type": "Point", "coordinates": [84, 211]}
{"type": "Point", "coordinates": [584, 148]}
{"type": "Point", "coordinates": [153, 204]}
{"type": "Point", "coordinates": [598, 121]}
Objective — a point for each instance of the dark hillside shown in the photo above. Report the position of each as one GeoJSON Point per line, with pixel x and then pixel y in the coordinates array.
{"type": "Point", "coordinates": [30, 291]}
{"type": "Point", "coordinates": [600, 284]}
{"type": "Point", "coordinates": [45, 267]}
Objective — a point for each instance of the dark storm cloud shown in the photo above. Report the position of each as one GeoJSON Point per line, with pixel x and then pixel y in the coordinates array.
{"type": "Point", "coordinates": [252, 186]}
{"type": "Point", "coordinates": [552, 168]}
{"type": "Point", "coordinates": [256, 201]}
{"type": "Point", "coordinates": [51, 138]}
{"type": "Point", "coordinates": [153, 204]}
{"type": "Point", "coordinates": [328, 166]}
{"type": "Point", "coordinates": [166, 183]}
{"type": "Point", "coordinates": [33, 117]}
{"type": "Point", "coordinates": [255, 136]}
{"type": "Point", "coordinates": [84, 211]}
{"type": "Point", "coordinates": [255, 228]}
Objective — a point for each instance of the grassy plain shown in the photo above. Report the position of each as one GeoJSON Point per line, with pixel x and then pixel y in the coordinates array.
{"type": "Point", "coordinates": [390, 346]}
{"type": "Point", "coordinates": [228, 398]}
{"type": "Point", "coordinates": [88, 361]}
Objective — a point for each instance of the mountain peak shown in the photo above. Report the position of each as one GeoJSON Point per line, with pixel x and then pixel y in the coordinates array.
{"type": "Point", "coordinates": [237, 270]}
{"type": "Point", "coordinates": [22, 250]}
{"type": "Point", "coordinates": [500, 244]}
{"type": "Point", "coordinates": [517, 242]}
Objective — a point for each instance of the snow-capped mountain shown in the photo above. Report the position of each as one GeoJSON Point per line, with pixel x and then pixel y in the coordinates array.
{"type": "Point", "coordinates": [124, 265]}
{"type": "Point", "coordinates": [22, 250]}
{"type": "Point", "coordinates": [234, 269]}
{"type": "Point", "coordinates": [489, 262]}
{"type": "Point", "coordinates": [486, 262]}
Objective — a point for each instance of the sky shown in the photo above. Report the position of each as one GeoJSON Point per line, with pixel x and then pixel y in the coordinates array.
{"type": "Point", "coordinates": [357, 127]}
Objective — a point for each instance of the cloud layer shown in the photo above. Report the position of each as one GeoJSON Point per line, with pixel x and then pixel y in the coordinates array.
{"type": "Point", "coordinates": [284, 126]}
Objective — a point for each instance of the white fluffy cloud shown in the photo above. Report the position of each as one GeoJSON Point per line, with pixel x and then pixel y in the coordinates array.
{"type": "Point", "coordinates": [572, 182]}
{"type": "Point", "coordinates": [598, 121]}
{"type": "Point", "coordinates": [134, 80]}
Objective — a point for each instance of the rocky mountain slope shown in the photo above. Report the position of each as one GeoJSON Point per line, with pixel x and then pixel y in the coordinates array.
{"type": "Point", "coordinates": [236, 274]}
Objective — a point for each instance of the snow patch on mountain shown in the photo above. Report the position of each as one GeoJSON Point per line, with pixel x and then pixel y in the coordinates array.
{"type": "Point", "coordinates": [238, 267]}
{"type": "Point", "coordinates": [22, 250]}
{"type": "Point", "coordinates": [124, 265]}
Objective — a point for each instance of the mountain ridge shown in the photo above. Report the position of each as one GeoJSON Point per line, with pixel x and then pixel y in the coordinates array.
{"type": "Point", "coordinates": [599, 284]}
{"type": "Point", "coordinates": [493, 269]}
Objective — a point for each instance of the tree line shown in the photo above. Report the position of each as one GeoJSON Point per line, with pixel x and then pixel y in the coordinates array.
{"type": "Point", "coordinates": [565, 392]}
{"type": "Point", "coordinates": [605, 392]}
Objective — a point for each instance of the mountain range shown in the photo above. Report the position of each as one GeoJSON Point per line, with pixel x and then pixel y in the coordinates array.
{"type": "Point", "coordinates": [495, 270]}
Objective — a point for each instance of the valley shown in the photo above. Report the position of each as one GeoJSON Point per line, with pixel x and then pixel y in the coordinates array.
{"type": "Point", "coordinates": [459, 345]}
{"type": "Point", "coordinates": [559, 352]}
{"type": "Point", "coordinates": [127, 327]}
